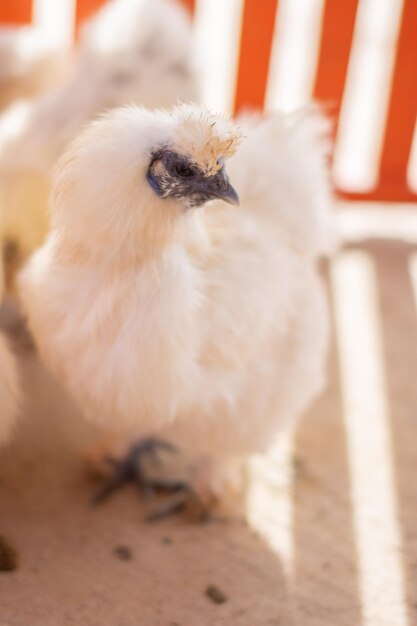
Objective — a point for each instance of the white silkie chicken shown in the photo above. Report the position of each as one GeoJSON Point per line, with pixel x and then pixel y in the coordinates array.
{"type": "Point", "coordinates": [202, 323]}
{"type": "Point", "coordinates": [133, 51]}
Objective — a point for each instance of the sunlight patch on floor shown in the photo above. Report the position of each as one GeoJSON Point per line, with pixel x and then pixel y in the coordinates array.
{"type": "Point", "coordinates": [270, 505]}
{"type": "Point", "coordinates": [377, 531]}
{"type": "Point", "coordinates": [413, 273]}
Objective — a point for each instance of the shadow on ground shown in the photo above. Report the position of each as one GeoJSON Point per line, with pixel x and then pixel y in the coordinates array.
{"type": "Point", "coordinates": [69, 572]}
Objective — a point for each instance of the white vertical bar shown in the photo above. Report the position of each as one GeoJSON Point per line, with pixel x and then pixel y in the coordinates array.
{"type": "Point", "coordinates": [365, 102]}
{"type": "Point", "coordinates": [217, 36]}
{"type": "Point", "coordinates": [294, 55]}
{"type": "Point", "coordinates": [412, 164]}
{"type": "Point", "coordinates": [56, 20]}
{"type": "Point", "coordinates": [366, 417]}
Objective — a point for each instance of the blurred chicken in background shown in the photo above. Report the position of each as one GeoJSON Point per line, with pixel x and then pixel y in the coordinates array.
{"type": "Point", "coordinates": [29, 65]}
{"type": "Point", "coordinates": [131, 52]}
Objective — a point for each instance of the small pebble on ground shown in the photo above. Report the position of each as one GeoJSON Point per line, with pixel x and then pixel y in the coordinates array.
{"type": "Point", "coordinates": [216, 595]}
{"type": "Point", "coordinates": [8, 556]}
{"type": "Point", "coordinates": [124, 553]}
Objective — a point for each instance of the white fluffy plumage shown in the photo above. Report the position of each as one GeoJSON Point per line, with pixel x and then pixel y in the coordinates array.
{"type": "Point", "coordinates": [133, 51]}
{"type": "Point", "coordinates": [207, 325]}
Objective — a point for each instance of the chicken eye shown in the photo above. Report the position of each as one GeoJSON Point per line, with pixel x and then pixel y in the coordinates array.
{"type": "Point", "coordinates": [184, 171]}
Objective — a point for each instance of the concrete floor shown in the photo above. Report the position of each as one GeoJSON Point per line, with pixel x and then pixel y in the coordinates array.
{"type": "Point", "coordinates": [326, 548]}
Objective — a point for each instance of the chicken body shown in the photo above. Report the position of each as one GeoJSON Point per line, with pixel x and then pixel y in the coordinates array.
{"type": "Point", "coordinates": [132, 52]}
{"type": "Point", "coordinates": [208, 325]}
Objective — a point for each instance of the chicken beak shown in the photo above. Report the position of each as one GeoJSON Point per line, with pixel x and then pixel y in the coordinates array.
{"type": "Point", "coordinates": [229, 195]}
{"type": "Point", "coordinates": [221, 189]}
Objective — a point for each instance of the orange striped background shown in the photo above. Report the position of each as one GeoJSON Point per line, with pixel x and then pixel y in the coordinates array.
{"type": "Point", "coordinates": [336, 41]}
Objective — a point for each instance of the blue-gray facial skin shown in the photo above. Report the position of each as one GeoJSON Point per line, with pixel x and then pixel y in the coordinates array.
{"type": "Point", "coordinates": [173, 175]}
